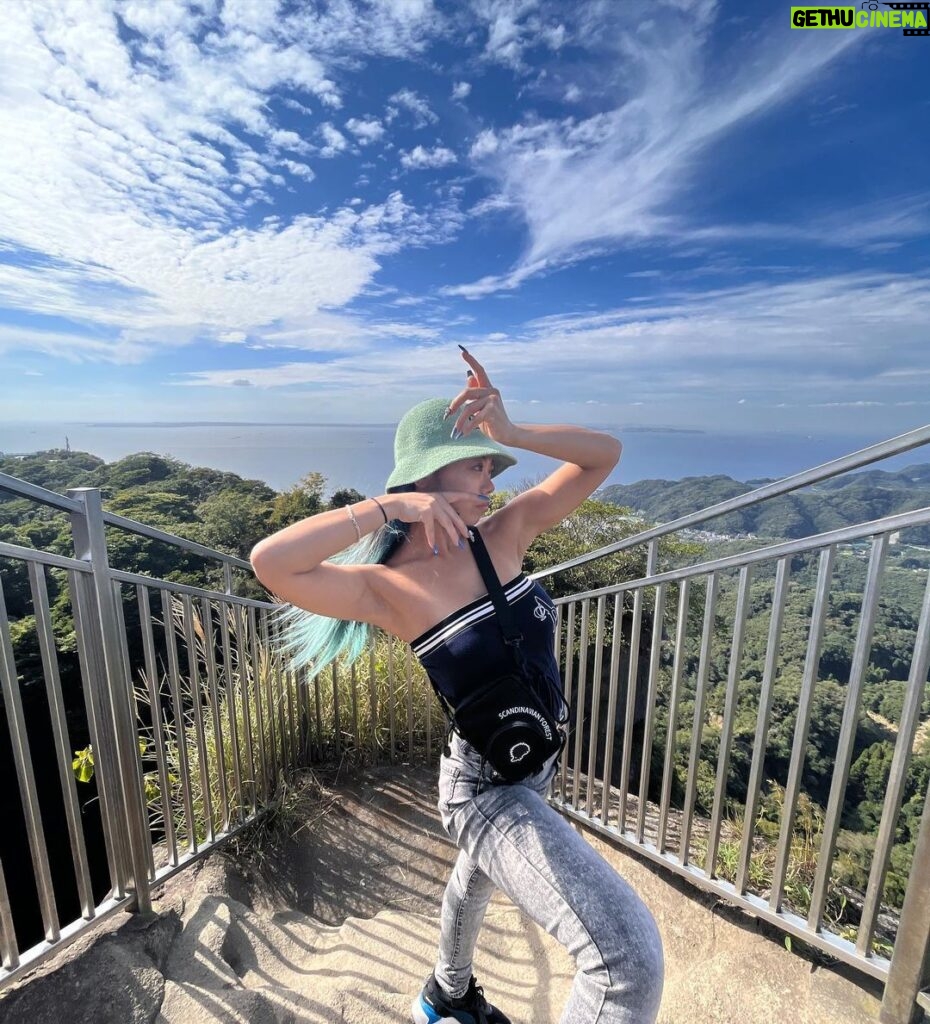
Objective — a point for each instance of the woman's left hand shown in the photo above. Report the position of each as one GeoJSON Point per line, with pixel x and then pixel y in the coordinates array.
{"type": "Point", "coordinates": [480, 406]}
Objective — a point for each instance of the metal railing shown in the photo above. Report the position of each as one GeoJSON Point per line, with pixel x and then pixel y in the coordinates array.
{"type": "Point", "coordinates": [618, 780]}
{"type": "Point", "coordinates": [191, 728]}
{"type": "Point", "coordinates": [191, 718]}
{"type": "Point", "coordinates": [188, 732]}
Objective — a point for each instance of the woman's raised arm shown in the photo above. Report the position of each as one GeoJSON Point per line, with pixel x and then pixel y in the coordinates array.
{"type": "Point", "coordinates": [588, 456]}
{"type": "Point", "coordinates": [292, 562]}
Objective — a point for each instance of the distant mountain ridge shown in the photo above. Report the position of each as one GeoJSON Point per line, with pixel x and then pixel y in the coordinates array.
{"type": "Point", "coordinates": [844, 501]}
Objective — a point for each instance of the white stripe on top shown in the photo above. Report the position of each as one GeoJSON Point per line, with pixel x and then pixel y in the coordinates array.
{"type": "Point", "coordinates": [468, 617]}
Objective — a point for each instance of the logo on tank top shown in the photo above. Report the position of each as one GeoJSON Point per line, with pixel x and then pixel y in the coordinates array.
{"type": "Point", "coordinates": [544, 611]}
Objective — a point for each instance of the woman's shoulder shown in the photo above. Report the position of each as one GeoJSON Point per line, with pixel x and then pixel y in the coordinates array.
{"type": "Point", "coordinates": [502, 530]}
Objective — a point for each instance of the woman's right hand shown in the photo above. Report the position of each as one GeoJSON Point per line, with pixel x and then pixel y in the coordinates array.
{"type": "Point", "coordinates": [434, 510]}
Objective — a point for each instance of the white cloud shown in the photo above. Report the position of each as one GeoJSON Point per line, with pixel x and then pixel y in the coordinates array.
{"type": "Point", "coordinates": [366, 129]}
{"type": "Point", "coordinates": [514, 26]}
{"type": "Point", "coordinates": [68, 347]}
{"type": "Point", "coordinates": [159, 285]}
{"type": "Point", "coordinates": [755, 344]}
{"type": "Point", "coordinates": [419, 158]}
{"type": "Point", "coordinates": [414, 104]}
{"type": "Point", "coordinates": [504, 34]}
{"type": "Point", "coordinates": [392, 28]}
{"type": "Point", "coordinates": [154, 155]}
{"type": "Point", "coordinates": [298, 169]}
{"type": "Point", "coordinates": [554, 36]}
{"type": "Point", "coordinates": [486, 144]}
{"type": "Point", "coordinates": [289, 140]}
{"type": "Point", "coordinates": [334, 142]}
{"type": "Point", "coordinates": [293, 104]}
{"type": "Point", "coordinates": [873, 226]}
{"type": "Point", "coordinates": [137, 138]}
{"type": "Point", "coordinates": [833, 343]}
{"type": "Point", "coordinates": [621, 175]}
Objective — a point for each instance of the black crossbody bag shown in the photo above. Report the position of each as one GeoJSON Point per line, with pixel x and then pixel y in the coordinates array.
{"type": "Point", "coordinates": [505, 718]}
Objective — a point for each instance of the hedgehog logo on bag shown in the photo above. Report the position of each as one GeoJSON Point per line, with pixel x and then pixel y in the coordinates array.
{"type": "Point", "coordinates": [518, 751]}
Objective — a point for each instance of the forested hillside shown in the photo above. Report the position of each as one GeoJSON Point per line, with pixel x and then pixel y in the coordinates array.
{"type": "Point", "coordinates": [852, 498]}
{"type": "Point", "coordinates": [231, 514]}
{"type": "Point", "coordinates": [220, 510]}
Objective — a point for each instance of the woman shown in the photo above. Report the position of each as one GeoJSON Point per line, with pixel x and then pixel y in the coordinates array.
{"type": "Point", "coordinates": [422, 584]}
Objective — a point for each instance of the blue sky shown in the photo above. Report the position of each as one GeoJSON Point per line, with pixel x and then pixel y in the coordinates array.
{"type": "Point", "coordinates": [675, 213]}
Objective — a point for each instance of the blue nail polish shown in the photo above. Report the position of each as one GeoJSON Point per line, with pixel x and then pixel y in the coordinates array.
{"type": "Point", "coordinates": [435, 549]}
{"type": "Point", "coordinates": [456, 434]}
{"type": "Point", "coordinates": [461, 544]}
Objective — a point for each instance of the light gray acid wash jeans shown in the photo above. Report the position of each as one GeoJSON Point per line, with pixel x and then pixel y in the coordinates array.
{"type": "Point", "coordinates": [510, 837]}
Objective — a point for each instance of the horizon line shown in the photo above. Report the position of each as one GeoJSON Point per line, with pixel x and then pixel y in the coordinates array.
{"type": "Point", "coordinates": [637, 428]}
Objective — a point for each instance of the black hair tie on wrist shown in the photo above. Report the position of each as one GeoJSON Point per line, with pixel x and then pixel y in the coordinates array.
{"type": "Point", "coordinates": [378, 503]}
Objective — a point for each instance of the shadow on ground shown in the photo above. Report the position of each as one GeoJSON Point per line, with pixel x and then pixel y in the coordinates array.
{"type": "Point", "coordinates": [332, 915]}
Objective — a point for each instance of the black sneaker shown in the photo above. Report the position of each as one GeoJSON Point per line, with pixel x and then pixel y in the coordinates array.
{"type": "Point", "coordinates": [433, 1006]}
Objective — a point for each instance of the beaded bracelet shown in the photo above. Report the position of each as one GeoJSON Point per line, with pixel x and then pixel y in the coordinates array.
{"type": "Point", "coordinates": [378, 503]}
{"type": "Point", "coordinates": [354, 521]}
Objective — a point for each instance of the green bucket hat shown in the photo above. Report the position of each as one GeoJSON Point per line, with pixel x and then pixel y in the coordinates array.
{"type": "Point", "coordinates": [423, 444]}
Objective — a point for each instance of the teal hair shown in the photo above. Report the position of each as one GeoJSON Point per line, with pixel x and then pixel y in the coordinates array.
{"type": "Point", "coordinates": [305, 638]}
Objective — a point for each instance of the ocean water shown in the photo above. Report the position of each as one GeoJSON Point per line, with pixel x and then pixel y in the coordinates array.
{"type": "Point", "coordinates": [361, 456]}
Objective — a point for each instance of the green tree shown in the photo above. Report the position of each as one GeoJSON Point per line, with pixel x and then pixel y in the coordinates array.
{"type": "Point", "coordinates": [233, 521]}
{"type": "Point", "coordinates": [142, 468]}
{"type": "Point", "coordinates": [345, 496]}
{"type": "Point", "coordinates": [304, 499]}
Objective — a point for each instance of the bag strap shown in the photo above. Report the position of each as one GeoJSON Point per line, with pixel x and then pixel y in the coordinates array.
{"type": "Point", "coordinates": [505, 617]}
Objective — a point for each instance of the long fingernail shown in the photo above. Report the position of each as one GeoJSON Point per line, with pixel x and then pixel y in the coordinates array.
{"type": "Point", "coordinates": [462, 347]}
{"type": "Point", "coordinates": [435, 549]}
{"type": "Point", "coordinates": [456, 434]}
{"type": "Point", "coordinates": [461, 544]}
{"type": "Point", "coordinates": [447, 414]}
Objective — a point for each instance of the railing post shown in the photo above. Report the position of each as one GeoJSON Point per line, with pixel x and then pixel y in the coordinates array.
{"type": "Point", "coordinates": [910, 963]}
{"type": "Point", "coordinates": [115, 743]}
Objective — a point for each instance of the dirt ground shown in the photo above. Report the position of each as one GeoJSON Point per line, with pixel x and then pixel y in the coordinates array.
{"type": "Point", "coordinates": [331, 914]}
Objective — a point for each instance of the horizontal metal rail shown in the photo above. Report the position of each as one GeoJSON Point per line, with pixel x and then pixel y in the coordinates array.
{"type": "Point", "coordinates": [183, 588]}
{"type": "Point", "coordinates": [846, 534]}
{"type": "Point", "coordinates": [131, 526]}
{"type": "Point", "coordinates": [24, 489]}
{"type": "Point", "coordinates": [837, 467]}
{"type": "Point", "coordinates": [43, 557]}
